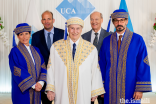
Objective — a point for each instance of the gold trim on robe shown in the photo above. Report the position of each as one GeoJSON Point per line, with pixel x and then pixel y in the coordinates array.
{"type": "Point", "coordinates": [31, 96]}
{"type": "Point", "coordinates": [84, 48]}
{"type": "Point", "coordinates": [43, 76]}
{"type": "Point", "coordinates": [37, 60]}
{"type": "Point", "coordinates": [43, 66]}
{"type": "Point", "coordinates": [98, 67]}
{"type": "Point", "coordinates": [26, 83]}
{"type": "Point", "coordinates": [112, 73]}
{"type": "Point", "coordinates": [50, 87]}
{"type": "Point", "coordinates": [146, 60]}
{"type": "Point", "coordinates": [143, 82]}
{"type": "Point", "coordinates": [143, 86]}
{"type": "Point", "coordinates": [117, 92]}
{"type": "Point", "coordinates": [122, 65]}
{"type": "Point", "coordinates": [97, 92]}
{"type": "Point", "coordinates": [17, 71]}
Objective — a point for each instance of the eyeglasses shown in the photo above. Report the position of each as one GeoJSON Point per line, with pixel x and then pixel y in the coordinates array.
{"type": "Point", "coordinates": [117, 21]}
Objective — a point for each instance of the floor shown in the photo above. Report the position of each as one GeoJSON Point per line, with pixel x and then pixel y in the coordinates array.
{"type": "Point", "coordinates": [148, 98]}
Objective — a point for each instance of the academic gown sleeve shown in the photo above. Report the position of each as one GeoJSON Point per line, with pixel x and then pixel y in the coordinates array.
{"type": "Point", "coordinates": [50, 71]}
{"type": "Point", "coordinates": [102, 61]}
{"type": "Point", "coordinates": [20, 74]}
{"type": "Point", "coordinates": [143, 81]}
{"type": "Point", "coordinates": [97, 85]}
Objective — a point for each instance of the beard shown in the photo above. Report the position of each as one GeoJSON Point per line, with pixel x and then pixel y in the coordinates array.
{"type": "Point", "coordinates": [120, 29]}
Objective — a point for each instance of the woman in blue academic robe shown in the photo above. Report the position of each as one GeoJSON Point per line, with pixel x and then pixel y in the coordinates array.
{"type": "Point", "coordinates": [27, 68]}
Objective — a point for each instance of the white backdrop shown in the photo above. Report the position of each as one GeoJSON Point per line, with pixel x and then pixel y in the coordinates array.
{"type": "Point", "coordinates": [13, 12]}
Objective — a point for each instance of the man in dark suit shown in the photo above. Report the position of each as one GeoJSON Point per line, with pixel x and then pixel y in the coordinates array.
{"type": "Point", "coordinates": [97, 33]}
{"type": "Point", "coordinates": [96, 36]}
{"type": "Point", "coordinates": [44, 38]}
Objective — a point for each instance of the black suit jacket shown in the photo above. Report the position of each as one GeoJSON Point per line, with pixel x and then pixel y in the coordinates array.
{"type": "Point", "coordinates": [103, 34]}
{"type": "Point", "coordinates": [38, 40]}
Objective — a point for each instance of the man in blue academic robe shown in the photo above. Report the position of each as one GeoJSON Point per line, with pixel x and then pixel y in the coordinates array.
{"type": "Point", "coordinates": [124, 63]}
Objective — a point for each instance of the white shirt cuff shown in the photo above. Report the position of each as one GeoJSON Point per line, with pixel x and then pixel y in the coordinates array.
{"type": "Point", "coordinates": [41, 82]}
{"type": "Point", "coordinates": [33, 87]}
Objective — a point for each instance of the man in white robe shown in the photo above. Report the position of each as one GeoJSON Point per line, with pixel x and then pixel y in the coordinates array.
{"type": "Point", "coordinates": [73, 73]}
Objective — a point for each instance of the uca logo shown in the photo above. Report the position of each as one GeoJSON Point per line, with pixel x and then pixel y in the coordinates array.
{"type": "Point", "coordinates": [75, 8]}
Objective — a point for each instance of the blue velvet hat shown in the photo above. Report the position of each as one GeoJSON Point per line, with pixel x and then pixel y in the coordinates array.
{"type": "Point", "coordinates": [22, 27]}
{"type": "Point", "coordinates": [119, 13]}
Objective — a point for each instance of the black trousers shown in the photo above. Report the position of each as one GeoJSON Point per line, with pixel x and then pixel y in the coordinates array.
{"type": "Point", "coordinates": [100, 100]}
{"type": "Point", "coordinates": [44, 98]}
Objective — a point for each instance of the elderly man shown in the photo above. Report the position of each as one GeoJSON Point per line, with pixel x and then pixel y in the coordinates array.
{"type": "Point", "coordinates": [124, 63]}
{"type": "Point", "coordinates": [73, 74]}
{"type": "Point", "coordinates": [97, 33]}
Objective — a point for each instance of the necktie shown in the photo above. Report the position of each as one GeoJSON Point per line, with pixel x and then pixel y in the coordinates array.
{"type": "Point", "coordinates": [119, 42]}
{"type": "Point", "coordinates": [74, 50]}
{"type": "Point", "coordinates": [48, 41]}
{"type": "Point", "coordinates": [95, 43]}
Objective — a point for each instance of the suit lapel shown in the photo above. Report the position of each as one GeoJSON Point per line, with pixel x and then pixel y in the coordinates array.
{"type": "Point", "coordinates": [100, 39]}
{"type": "Point", "coordinates": [43, 41]}
{"type": "Point", "coordinates": [89, 36]}
{"type": "Point", "coordinates": [55, 37]}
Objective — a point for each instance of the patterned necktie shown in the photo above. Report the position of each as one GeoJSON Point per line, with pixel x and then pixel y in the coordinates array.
{"type": "Point", "coordinates": [119, 42]}
{"type": "Point", "coordinates": [74, 50]}
{"type": "Point", "coordinates": [95, 43]}
{"type": "Point", "coordinates": [49, 41]}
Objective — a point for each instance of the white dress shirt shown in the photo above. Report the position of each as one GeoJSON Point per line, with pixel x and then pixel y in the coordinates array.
{"type": "Point", "coordinates": [71, 42]}
{"type": "Point", "coordinates": [119, 35]}
{"type": "Point", "coordinates": [51, 35]}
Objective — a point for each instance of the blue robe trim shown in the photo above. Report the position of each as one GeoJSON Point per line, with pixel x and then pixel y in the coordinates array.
{"type": "Point", "coordinates": [25, 74]}
{"type": "Point", "coordinates": [127, 71]}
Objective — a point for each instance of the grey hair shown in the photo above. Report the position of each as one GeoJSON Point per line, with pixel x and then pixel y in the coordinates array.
{"type": "Point", "coordinates": [98, 12]}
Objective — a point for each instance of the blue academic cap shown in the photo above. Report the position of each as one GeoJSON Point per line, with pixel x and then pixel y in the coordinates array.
{"type": "Point", "coordinates": [119, 13]}
{"type": "Point", "coordinates": [22, 27]}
